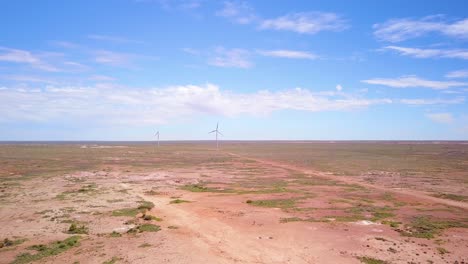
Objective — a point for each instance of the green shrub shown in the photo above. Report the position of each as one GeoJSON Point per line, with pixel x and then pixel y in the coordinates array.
{"type": "Point", "coordinates": [147, 217]}
{"type": "Point", "coordinates": [43, 251]}
{"type": "Point", "coordinates": [145, 205]}
{"type": "Point", "coordinates": [178, 201]}
{"type": "Point", "coordinates": [370, 260]}
{"type": "Point", "coordinates": [126, 212]}
{"type": "Point", "coordinates": [75, 229]}
{"type": "Point", "coordinates": [115, 234]}
{"type": "Point", "coordinates": [144, 228]}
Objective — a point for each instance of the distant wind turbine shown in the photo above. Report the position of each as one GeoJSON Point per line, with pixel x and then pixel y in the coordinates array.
{"type": "Point", "coordinates": [157, 135]}
{"type": "Point", "coordinates": [216, 131]}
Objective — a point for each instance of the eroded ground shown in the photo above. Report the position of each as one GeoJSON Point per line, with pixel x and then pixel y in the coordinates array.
{"type": "Point", "coordinates": [247, 203]}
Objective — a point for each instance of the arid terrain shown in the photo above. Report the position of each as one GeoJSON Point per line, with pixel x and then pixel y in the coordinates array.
{"type": "Point", "coordinates": [249, 202]}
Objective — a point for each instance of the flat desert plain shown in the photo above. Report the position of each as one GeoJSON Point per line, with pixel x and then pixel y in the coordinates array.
{"type": "Point", "coordinates": [249, 202]}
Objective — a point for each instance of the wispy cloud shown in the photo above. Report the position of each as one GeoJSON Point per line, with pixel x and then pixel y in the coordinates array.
{"type": "Point", "coordinates": [28, 79]}
{"type": "Point", "coordinates": [174, 4]}
{"type": "Point", "coordinates": [423, 101]}
{"type": "Point", "coordinates": [75, 65]}
{"type": "Point", "coordinates": [130, 105]}
{"type": "Point", "coordinates": [306, 23]}
{"type": "Point", "coordinates": [444, 118]}
{"type": "Point", "coordinates": [457, 74]}
{"type": "Point", "coordinates": [290, 54]}
{"type": "Point", "coordinates": [112, 58]}
{"type": "Point", "coordinates": [396, 30]}
{"type": "Point", "coordinates": [191, 51]}
{"type": "Point", "coordinates": [115, 39]}
{"type": "Point", "coordinates": [430, 53]}
{"type": "Point", "coordinates": [102, 78]}
{"type": "Point", "coordinates": [414, 81]}
{"type": "Point", "coordinates": [235, 58]}
{"type": "Point", "coordinates": [25, 57]}
{"type": "Point", "coordinates": [66, 44]}
{"type": "Point", "coordinates": [237, 12]}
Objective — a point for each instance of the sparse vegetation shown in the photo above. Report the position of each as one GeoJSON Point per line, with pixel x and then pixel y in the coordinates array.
{"type": "Point", "coordinates": [370, 260]}
{"type": "Point", "coordinates": [291, 219]}
{"type": "Point", "coordinates": [9, 243]}
{"type": "Point", "coordinates": [115, 234]}
{"type": "Point", "coordinates": [126, 212]}
{"type": "Point", "coordinates": [347, 218]}
{"type": "Point", "coordinates": [198, 188]}
{"type": "Point", "coordinates": [145, 205]}
{"type": "Point", "coordinates": [379, 213]}
{"type": "Point", "coordinates": [275, 203]}
{"type": "Point", "coordinates": [145, 245]}
{"type": "Point", "coordinates": [381, 239]}
{"type": "Point", "coordinates": [152, 192]}
{"type": "Point", "coordinates": [393, 224]}
{"type": "Point", "coordinates": [115, 200]}
{"type": "Point", "coordinates": [112, 260]}
{"type": "Point", "coordinates": [178, 201]}
{"type": "Point", "coordinates": [442, 250]}
{"type": "Point", "coordinates": [426, 227]}
{"type": "Point", "coordinates": [148, 217]}
{"type": "Point", "coordinates": [77, 229]}
{"type": "Point", "coordinates": [255, 186]}
{"type": "Point", "coordinates": [47, 250]}
{"type": "Point", "coordinates": [451, 196]}
{"type": "Point", "coordinates": [144, 228]}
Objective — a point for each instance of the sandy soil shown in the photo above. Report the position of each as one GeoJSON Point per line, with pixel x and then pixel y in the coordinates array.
{"type": "Point", "coordinates": [217, 224]}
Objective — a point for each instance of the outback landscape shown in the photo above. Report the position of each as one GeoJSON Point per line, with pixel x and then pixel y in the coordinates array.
{"type": "Point", "coordinates": [249, 202]}
{"type": "Point", "coordinates": [234, 131]}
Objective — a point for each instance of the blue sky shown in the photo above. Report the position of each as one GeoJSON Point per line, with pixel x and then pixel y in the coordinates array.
{"type": "Point", "coordinates": [321, 70]}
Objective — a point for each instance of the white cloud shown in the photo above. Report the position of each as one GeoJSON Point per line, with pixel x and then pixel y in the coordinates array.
{"type": "Point", "coordinates": [27, 79]}
{"type": "Point", "coordinates": [420, 101]}
{"type": "Point", "coordinates": [75, 66]}
{"type": "Point", "coordinates": [307, 23]}
{"type": "Point", "coordinates": [115, 39]}
{"type": "Point", "coordinates": [339, 87]}
{"type": "Point", "coordinates": [444, 118]}
{"type": "Point", "coordinates": [413, 81]}
{"type": "Point", "coordinates": [25, 57]}
{"type": "Point", "coordinates": [396, 30]}
{"type": "Point", "coordinates": [103, 78]}
{"type": "Point", "coordinates": [457, 74]}
{"type": "Point", "coordinates": [430, 53]}
{"type": "Point", "coordinates": [66, 44]}
{"type": "Point", "coordinates": [128, 105]}
{"type": "Point", "coordinates": [290, 54]}
{"type": "Point", "coordinates": [121, 59]}
{"type": "Point", "coordinates": [235, 58]}
{"type": "Point", "coordinates": [237, 12]}
{"type": "Point", "coordinates": [112, 58]}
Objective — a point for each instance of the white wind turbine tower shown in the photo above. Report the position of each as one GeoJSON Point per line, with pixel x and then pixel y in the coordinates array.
{"type": "Point", "coordinates": [216, 131]}
{"type": "Point", "coordinates": [157, 135]}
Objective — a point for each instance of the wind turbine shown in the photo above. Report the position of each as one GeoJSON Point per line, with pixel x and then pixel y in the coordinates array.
{"type": "Point", "coordinates": [216, 131]}
{"type": "Point", "coordinates": [157, 135]}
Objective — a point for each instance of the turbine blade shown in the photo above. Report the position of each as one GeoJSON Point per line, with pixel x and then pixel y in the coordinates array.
{"type": "Point", "coordinates": [220, 133]}
{"type": "Point", "coordinates": [212, 131]}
